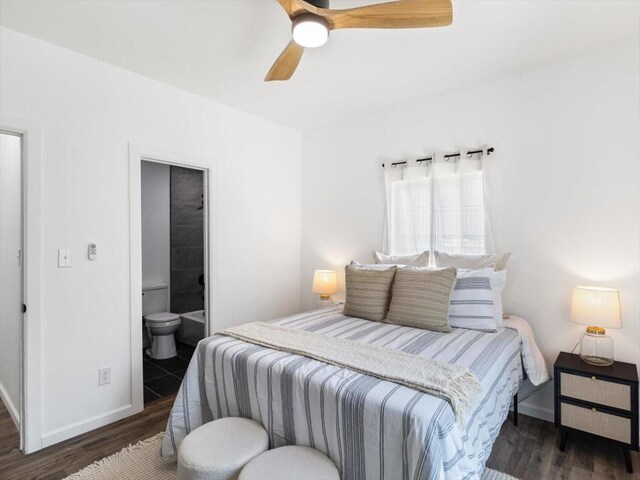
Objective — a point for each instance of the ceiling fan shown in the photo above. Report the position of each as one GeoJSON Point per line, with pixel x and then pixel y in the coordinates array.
{"type": "Point", "coordinates": [312, 20]}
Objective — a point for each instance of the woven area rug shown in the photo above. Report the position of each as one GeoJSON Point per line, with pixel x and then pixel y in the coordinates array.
{"type": "Point", "coordinates": [142, 461]}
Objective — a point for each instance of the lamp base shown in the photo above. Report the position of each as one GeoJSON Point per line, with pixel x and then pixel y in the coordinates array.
{"type": "Point", "coordinates": [599, 361]}
{"type": "Point", "coordinates": [324, 301]}
{"type": "Point", "coordinates": [596, 348]}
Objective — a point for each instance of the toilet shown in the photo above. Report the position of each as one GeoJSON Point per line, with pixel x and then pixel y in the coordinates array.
{"type": "Point", "coordinates": [160, 323]}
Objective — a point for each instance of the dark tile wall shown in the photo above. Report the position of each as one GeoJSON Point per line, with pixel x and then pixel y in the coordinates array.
{"type": "Point", "coordinates": [187, 240]}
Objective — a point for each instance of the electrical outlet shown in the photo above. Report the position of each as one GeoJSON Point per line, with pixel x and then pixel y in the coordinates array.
{"type": "Point", "coordinates": [104, 376]}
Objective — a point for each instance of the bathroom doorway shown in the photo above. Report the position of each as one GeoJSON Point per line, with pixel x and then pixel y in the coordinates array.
{"type": "Point", "coordinates": [172, 284]}
{"type": "Point", "coordinates": [20, 292]}
{"type": "Point", "coordinates": [11, 280]}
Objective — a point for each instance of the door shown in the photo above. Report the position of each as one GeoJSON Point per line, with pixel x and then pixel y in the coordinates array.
{"type": "Point", "coordinates": [11, 262]}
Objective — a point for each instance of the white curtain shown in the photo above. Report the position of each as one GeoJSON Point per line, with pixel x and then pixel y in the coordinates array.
{"type": "Point", "coordinates": [409, 209]}
{"type": "Point", "coordinates": [438, 205]}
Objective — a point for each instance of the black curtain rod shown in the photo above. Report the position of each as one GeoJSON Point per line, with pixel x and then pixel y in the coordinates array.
{"type": "Point", "coordinates": [450, 155]}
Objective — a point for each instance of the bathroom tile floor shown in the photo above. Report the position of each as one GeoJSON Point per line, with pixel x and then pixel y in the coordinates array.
{"type": "Point", "coordinates": [163, 377]}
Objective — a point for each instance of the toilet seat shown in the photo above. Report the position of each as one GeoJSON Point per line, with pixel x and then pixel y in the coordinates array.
{"type": "Point", "coordinates": [164, 319]}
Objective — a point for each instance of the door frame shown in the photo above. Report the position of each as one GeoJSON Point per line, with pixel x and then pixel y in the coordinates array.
{"type": "Point", "coordinates": [31, 333]}
{"type": "Point", "coordinates": [138, 154]}
{"type": "Point", "coordinates": [15, 408]}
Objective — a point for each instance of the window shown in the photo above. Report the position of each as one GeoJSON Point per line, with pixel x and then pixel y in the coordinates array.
{"type": "Point", "coordinates": [437, 206]}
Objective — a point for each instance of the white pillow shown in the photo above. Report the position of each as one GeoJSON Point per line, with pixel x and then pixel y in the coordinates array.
{"type": "Point", "coordinates": [498, 282]}
{"type": "Point", "coordinates": [444, 260]}
{"type": "Point", "coordinates": [374, 266]}
{"type": "Point", "coordinates": [471, 303]}
{"type": "Point", "coordinates": [418, 260]}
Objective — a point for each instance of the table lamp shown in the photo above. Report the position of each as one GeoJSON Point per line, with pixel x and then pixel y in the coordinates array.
{"type": "Point", "coordinates": [597, 308]}
{"type": "Point", "coordinates": [324, 283]}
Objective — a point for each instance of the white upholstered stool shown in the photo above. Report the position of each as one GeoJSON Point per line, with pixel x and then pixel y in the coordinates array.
{"type": "Point", "coordinates": [290, 463]}
{"type": "Point", "coordinates": [218, 450]}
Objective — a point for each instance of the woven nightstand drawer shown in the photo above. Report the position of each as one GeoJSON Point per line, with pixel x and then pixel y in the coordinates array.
{"type": "Point", "coordinates": [592, 389]}
{"type": "Point", "coordinates": [596, 422]}
{"type": "Point", "coordinates": [596, 400]}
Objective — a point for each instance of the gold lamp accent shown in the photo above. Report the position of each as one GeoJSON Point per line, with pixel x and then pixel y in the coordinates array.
{"type": "Point", "coordinates": [596, 307]}
{"type": "Point", "coordinates": [324, 283]}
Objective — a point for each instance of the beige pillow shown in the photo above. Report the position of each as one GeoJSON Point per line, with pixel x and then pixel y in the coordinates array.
{"type": "Point", "coordinates": [368, 291]}
{"type": "Point", "coordinates": [421, 298]}
{"type": "Point", "coordinates": [417, 260]}
{"type": "Point", "coordinates": [472, 262]}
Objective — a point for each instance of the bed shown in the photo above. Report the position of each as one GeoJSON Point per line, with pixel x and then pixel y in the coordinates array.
{"type": "Point", "coordinates": [370, 428]}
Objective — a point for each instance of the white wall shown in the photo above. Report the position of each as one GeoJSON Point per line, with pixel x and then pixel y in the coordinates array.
{"type": "Point", "coordinates": [89, 112]}
{"type": "Point", "coordinates": [11, 278]}
{"type": "Point", "coordinates": [156, 223]}
{"type": "Point", "coordinates": [563, 186]}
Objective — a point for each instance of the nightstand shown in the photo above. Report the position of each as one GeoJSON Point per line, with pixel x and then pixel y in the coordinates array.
{"type": "Point", "coordinates": [597, 401]}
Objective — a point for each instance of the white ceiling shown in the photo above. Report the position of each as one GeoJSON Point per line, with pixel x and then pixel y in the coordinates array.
{"type": "Point", "coordinates": [223, 49]}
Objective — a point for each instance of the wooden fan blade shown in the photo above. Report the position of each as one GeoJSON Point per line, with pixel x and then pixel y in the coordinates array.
{"type": "Point", "coordinates": [286, 63]}
{"type": "Point", "coordinates": [292, 7]}
{"type": "Point", "coordinates": [400, 14]}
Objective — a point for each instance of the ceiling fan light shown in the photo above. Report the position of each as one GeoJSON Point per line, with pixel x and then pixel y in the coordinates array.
{"type": "Point", "coordinates": [310, 30]}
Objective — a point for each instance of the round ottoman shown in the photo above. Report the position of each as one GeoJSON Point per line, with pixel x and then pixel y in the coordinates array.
{"type": "Point", "coordinates": [218, 450]}
{"type": "Point", "coordinates": [290, 463]}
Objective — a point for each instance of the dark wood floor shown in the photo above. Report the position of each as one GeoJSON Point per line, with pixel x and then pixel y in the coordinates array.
{"type": "Point", "coordinates": [528, 451]}
{"type": "Point", "coordinates": [68, 457]}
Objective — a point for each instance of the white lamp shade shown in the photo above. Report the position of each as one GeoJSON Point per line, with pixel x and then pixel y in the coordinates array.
{"type": "Point", "coordinates": [596, 306]}
{"type": "Point", "coordinates": [324, 281]}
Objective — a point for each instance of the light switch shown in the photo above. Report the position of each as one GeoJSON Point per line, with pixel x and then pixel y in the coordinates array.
{"type": "Point", "coordinates": [64, 258]}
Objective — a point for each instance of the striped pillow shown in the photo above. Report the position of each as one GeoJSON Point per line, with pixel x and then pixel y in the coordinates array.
{"type": "Point", "coordinates": [368, 291]}
{"type": "Point", "coordinates": [421, 298]}
{"type": "Point", "coordinates": [471, 304]}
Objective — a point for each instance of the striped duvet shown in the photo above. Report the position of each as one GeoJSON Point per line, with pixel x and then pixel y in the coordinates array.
{"type": "Point", "coordinates": [370, 428]}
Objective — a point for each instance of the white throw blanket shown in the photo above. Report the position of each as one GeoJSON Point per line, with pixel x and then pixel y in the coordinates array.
{"type": "Point", "coordinates": [454, 383]}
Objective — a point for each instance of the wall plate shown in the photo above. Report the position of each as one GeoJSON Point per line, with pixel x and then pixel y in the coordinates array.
{"type": "Point", "coordinates": [64, 258]}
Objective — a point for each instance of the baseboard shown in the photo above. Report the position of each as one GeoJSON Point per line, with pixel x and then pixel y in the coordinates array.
{"type": "Point", "coordinates": [73, 430]}
{"type": "Point", "coordinates": [14, 413]}
{"type": "Point", "coordinates": [536, 412]}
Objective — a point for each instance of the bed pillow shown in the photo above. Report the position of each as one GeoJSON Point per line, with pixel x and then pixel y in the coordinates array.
{"type": "Point", "coordinates": [418, 260]}
{"type": "Point", "coordinates": [374, 266]}
{"type": "Point", "coordinates": [368, 291]}
{"type": "Point", "coordinates": [498, 282]}
{"type": "Point", "coordinates": [421, 297]}
{"type": "Point", "coordinates": [471, 304]}
{"type": "Point", "coordinates": [473, 262]}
